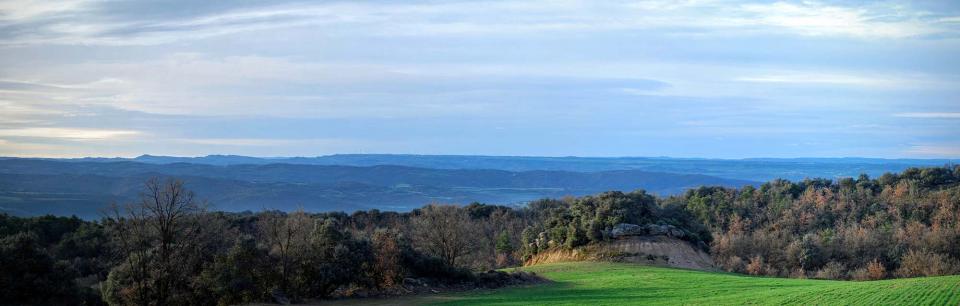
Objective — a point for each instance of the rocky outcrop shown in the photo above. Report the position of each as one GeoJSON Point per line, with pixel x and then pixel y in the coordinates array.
{"type": "Point", "coordinates": [659, 250]}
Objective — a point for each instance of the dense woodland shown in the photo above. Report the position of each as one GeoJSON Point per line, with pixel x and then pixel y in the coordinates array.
{"type": "Point", "coordinates": [898, 225]}
{"type": "Point", "coordinates": [170, 248]}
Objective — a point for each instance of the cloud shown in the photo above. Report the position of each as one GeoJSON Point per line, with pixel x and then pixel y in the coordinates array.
{"type": "Point", "coordinates": [98, 23]}
{"type": "Point", "coordinates": [205, 85]}
{"type": "Point", "coordinates": [935, 150]}
{"type": "Point", "coordinates": [874, 80]}
{"type": "Point", "coordinates": [67, 133]}
{"type": "Point", "coordinates": [262, 142]}
{"type": "Point", "coordinates": [930, 115]}
{"type": "Point", "coordinates": [817, 19]}
{"type": "Point", "coordinates": [23, 10]}
{"type": "Point", "coordinates": [468, 76]}
{"type": "Point", "coordinates": [29, 149]}
{"type": "Point", "coordinates": [816, 78]}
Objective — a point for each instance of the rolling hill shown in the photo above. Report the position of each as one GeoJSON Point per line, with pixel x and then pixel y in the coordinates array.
{"type": "Point", "coordinates": [754, 169]}
{"type": "Point", "coordinates": [36, 186]}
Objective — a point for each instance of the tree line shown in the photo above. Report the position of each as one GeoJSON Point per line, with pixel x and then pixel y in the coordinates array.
{"type": "Point", "coordinates": [897, 225]}
{"type": "Point", "coordinates": [170, 248]}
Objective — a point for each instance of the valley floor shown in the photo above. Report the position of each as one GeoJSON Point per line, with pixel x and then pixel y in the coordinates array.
{"type": "Point", "coordinates": [599, 283]}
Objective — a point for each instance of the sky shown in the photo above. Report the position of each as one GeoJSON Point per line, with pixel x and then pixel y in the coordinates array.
{"type": "Point", "coordinates": [714, 79]}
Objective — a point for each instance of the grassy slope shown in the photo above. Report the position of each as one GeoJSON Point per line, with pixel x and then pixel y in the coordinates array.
{"type": "Point", "coordinates": [594, 283]}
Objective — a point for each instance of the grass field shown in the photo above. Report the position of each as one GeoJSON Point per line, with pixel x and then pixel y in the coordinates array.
{"type": "Point", "coordinates": [595, 283]}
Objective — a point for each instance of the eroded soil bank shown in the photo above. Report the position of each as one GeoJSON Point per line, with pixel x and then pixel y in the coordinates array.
{"type": "Point", "coordinates": [650, 250]}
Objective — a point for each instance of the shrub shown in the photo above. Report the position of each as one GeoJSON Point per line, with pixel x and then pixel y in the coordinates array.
{"type": "Point", "coordinates": [387, 268]}
{"type": "Point", "coordinates": [798, 273]}
{"type": "Point", "coordinates": [734, 264]}
{"type": "Point", "coordinates": [876, 270]}
{"type": "Point", "coordinates": [924, 263]}
{"type": "Point", "coordinates": [755, 267]}
{"type": "Point", "coordinates": [832, 270]}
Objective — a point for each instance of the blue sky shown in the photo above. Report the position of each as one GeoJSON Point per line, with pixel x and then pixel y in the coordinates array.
{"type": "Point", "coordinates": [723, 79]}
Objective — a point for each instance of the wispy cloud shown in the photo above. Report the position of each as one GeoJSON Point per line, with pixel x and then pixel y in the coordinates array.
{"type": "Point", "coordinates": [25, 10]}
{"type": "Point", "coordinates": [934, 150]}
{"type": "Point", "coordinates": [819, 78]}
{"type": "Point", "coordinates": [31, 149]}
{"type": "Point", "coordinates": [67, 133]}
{"type": "Point", "coordinates": [199, 84]}
{"type": "Point", "coordinates": [264, 142]}
{"type": "Point", "coordinates": [96, 23]}
{"type": "Point", "coordinates": [930, 115]}
{"type": "Point", "coordinates": [879, 81]}
{"type": "Point", "coordinates": [655, 77]}
{"type": "Point", "coordinates": [818, 19]}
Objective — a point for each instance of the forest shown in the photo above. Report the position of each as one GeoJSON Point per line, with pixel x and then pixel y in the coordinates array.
{"type": "Point", "coordinates": [168, 247]}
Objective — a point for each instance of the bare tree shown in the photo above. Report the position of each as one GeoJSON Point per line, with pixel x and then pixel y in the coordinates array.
{"type": "Point", "coordinates": [444, 231]}
{"type": "Point", "coordinates": [156, 236]}
{"type": "Point", "coordinates": [287, 237]}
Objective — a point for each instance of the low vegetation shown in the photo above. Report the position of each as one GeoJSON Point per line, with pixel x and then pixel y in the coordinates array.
{"type": "Point", "coordinates": [598, 283]}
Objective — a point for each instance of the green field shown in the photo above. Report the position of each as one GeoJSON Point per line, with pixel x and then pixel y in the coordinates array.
{"type": "Point", "coordinates": [595, 283]}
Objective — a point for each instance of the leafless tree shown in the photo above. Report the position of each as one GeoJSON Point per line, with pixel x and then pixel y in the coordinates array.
{"type": "Point", "coordinates": [444, 231]}
{"type": "Point", "coordinates": [287, 237]}
{"type": "Point", "coordinates": [156, 236]}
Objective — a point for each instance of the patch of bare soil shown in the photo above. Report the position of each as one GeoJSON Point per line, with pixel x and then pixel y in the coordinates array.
{"type": "Point", "coordinates": [651, 250]}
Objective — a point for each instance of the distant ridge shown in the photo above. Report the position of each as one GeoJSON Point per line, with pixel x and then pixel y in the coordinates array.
{"type": "Point", "coordinates": [82, 187]}
{"type": "Point", "coordinates": [754, 169]}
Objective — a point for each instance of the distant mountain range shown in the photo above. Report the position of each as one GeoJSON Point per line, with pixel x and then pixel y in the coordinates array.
{"type": "Point", "coordinates": [84, 186]}
{"type": "Point", "coordinates": [754, 169]}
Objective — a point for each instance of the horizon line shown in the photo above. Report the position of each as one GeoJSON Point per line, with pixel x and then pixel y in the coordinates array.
{"type": "Point", "coordinates": [485, 155]}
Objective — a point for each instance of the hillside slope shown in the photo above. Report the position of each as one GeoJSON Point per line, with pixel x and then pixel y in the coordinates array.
{"type": "Point", "coordinates": [599, 283]}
